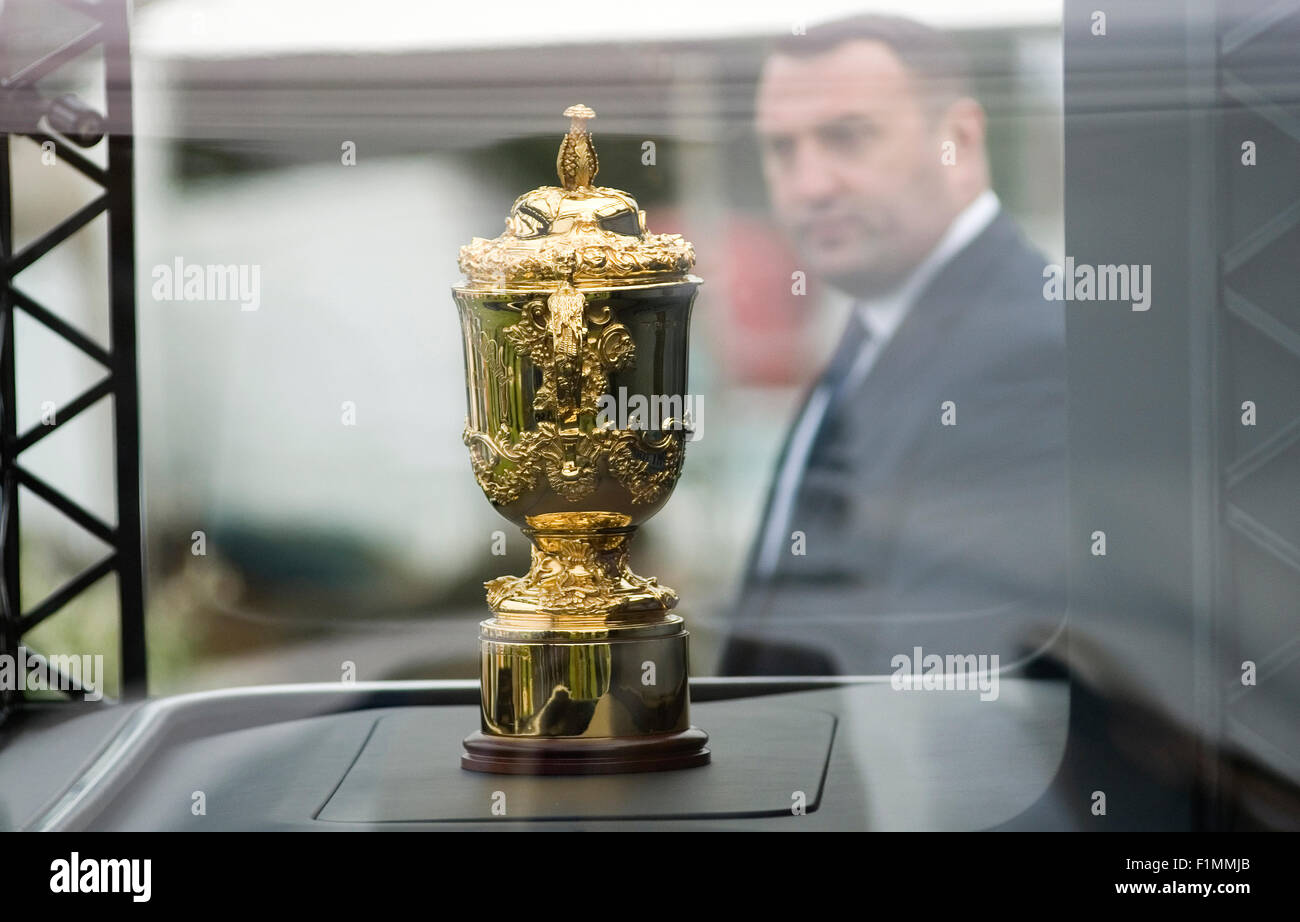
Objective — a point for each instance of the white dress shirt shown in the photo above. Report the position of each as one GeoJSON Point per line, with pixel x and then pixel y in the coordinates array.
{"type": "Point", "coordinates": [882, 316]}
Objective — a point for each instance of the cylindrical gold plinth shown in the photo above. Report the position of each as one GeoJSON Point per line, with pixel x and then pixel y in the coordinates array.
{"type": "Point", "coordinates": [612, 699]}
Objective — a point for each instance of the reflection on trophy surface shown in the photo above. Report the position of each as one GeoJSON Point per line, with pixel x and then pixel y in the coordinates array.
{"type": "Point", "coordinates": [584, 666]}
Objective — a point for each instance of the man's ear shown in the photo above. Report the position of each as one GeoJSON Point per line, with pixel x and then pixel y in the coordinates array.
{"type": "Point", "coordinates": [964, 124]}
{"type": "Point", "coordinates": [962, 127]}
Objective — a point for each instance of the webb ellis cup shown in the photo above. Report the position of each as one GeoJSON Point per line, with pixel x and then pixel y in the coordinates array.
{"type": "Point", "coordinates": [584, 664]}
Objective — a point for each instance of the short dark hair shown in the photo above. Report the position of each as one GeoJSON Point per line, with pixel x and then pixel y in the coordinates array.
{"type": "Point", "coordinates": [929, 55]}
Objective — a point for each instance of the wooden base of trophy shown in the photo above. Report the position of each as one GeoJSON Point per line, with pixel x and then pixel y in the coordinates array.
{"type": "Point", "coordinates": [529, 756]}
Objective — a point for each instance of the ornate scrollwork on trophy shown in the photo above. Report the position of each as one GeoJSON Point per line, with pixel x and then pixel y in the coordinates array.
{"type": "Point", "coordinates": [579, 576]}
{"type": "Point", "coordinates": [645, 467]}
{"type": "Point", "coordinates": [576, 345]}
{"type": "Point", "coordinates": [575, 232]}
{"type": "Point", "coordinates": [599, 254]}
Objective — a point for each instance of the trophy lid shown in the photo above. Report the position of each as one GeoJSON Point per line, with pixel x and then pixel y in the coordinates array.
{"type": "Point", "coordinates": [589, 236]}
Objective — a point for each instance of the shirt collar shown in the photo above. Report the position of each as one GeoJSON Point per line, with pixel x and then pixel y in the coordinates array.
{"type": "Point", "coordinates": [885, 313]}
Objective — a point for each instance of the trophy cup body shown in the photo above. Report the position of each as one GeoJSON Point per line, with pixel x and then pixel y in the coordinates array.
{"type": "Point", "coordinates": [584, 664]}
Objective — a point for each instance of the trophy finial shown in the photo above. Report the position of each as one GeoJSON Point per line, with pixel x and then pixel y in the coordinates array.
{"type": "Point", "coordinates": [576, 162]}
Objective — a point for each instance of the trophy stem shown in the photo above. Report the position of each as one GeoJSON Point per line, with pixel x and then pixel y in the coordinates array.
{"type": "Point", "coordinates": [579, 577]}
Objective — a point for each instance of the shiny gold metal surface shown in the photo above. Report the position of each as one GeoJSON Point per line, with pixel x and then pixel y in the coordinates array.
{"type": "Point", "coordinates": [576, 233]}
{"type": "Point", "coordinates": [575, 303]}
{"type": "Point", "coordinates": [555, 684]}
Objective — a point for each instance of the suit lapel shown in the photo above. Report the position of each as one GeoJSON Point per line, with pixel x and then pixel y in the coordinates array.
{"type": "Point", "coordinates": [894, 400]}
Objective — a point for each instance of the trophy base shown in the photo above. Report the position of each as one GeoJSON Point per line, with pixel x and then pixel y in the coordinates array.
{"type": "Point", "coordinates": [615, 755]}
{"type": "Point", "coordinates": [584, 700]}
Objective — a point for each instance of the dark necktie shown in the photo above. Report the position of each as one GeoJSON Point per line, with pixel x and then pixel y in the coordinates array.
{"type": "Point", "coordinates": [841, 376]}
{"type": "Point", "coordinates": [806, 440]}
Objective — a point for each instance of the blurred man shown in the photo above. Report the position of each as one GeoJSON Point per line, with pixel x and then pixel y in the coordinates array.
{"type": "Point", "coordinates": [919, 501]}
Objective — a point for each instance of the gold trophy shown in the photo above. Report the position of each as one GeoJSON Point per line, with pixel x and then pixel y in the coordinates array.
{"type": "Point", "coordinates": [584, 665]}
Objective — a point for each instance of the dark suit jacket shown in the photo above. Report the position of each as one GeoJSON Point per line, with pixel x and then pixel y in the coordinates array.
{"type": "Point", "coordinates": [950, 538]}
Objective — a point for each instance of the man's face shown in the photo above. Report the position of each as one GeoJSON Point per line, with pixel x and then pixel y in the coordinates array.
{"type": "Point", "coordinates": [852, 161]}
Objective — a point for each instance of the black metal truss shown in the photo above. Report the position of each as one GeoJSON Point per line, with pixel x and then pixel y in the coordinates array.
{"type": "Point", "coordinates": [26, 114]}
{"type": "Point", "coordinates": [1254, 328]}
